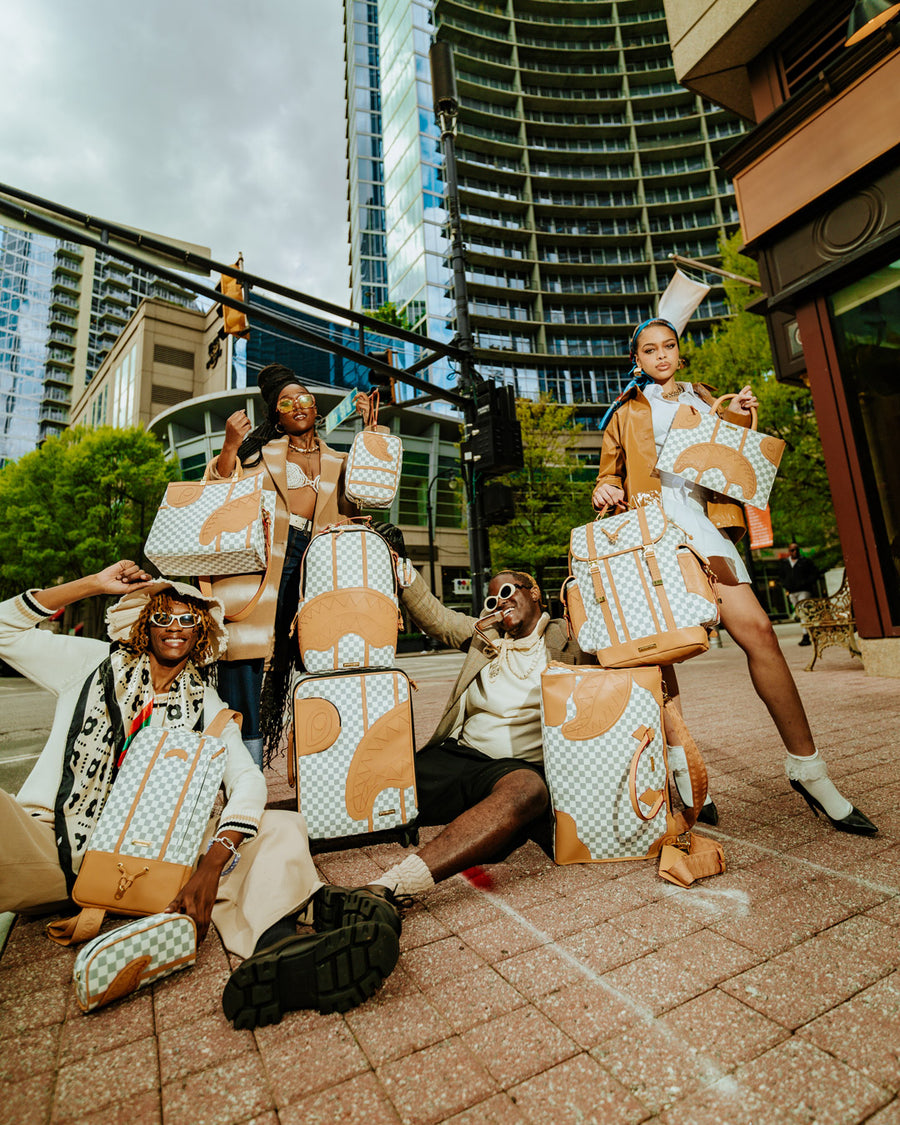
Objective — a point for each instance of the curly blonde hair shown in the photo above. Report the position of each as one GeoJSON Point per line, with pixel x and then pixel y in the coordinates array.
{"type": "Point", "coordinates": [139, 638]}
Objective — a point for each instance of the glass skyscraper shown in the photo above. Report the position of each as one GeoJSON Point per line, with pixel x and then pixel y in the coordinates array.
{"type": "Point", "coordinates": [582, 166]}
{"type": "Point", "coordinates": [61, 307]}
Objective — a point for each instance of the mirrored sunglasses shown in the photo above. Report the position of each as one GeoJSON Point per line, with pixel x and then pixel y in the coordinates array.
{"type": "Point", "coordinates": [505, 592]}
{"type": "Point", "coordinates": [185, 620]}
{"type": "Point", "coordinates": [286, 405]}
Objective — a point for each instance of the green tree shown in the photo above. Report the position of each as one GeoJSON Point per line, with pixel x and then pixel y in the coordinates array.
{"type": "Point", "coordinates": [739, 353]}
{"type": "Point", "coordinates": [81, 501]}
{"type": "Point", "coordinates": [389, 313]}
{"type": "Point", "coordinates": [552, 494]}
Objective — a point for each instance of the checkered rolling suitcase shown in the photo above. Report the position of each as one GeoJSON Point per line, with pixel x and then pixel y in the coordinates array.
{"type": "Point", "coordinates": [120, 961]}
{"type": "Point", "coordinates": [639, 594]}
{"type": "Point", "coordinates": [353, 752]}
{"type": "Point", "coordinates": [148, 835]}
{"type": "Point", "coordinates": [348, 615]}
{"type": "Point", "coordinates": [605, 761]}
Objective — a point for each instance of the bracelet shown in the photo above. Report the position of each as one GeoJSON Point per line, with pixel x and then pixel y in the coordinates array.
{"type": "Point", "coordinates": [226, 843]}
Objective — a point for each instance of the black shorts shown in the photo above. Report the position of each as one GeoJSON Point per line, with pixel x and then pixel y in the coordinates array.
{"type": "Point", "coordinates": [452, 778]}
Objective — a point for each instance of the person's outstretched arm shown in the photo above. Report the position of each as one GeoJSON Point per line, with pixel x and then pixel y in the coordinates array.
{"type": "Point", "coordinates": [116, 579]}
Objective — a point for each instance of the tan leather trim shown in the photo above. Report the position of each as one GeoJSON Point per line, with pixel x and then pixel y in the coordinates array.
{"type": "Point", "coordinates": [663, 648]}
{"type": "Point", "coordinates": [317, 726]}
{"type": "Point", "coordinates": [125, 981]}
{"type": "Point", "coordinates": [686, 418]}
{"type": "Point", "coordinates": [567, 848]}
{"type": "Point", "coordinates": [600, 699]}
{"type": "Point", "coordinates": [651, 605]}
{"type": "Point", "coordinates": [695, 579]}
{"type": "Point", "coordinates": [613, 632]}
{"type": "Point", "coordinates": [324, 619]}
{"type": "Point", "coordinates": [153, 883]}
{"type": "Point", "coordinates": [383, 759]}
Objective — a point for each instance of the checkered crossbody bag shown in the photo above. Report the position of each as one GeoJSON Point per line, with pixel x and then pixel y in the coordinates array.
{"type": "Point", "coordinates": [639, 593]}
{"type": "Point", "coordinates": [373, 464]}
{"type": "Point", "coordinates": [148, 835]}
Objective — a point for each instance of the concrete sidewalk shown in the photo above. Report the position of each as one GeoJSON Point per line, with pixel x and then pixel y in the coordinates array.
{"type": "Point", "coordinates": [595, 993]}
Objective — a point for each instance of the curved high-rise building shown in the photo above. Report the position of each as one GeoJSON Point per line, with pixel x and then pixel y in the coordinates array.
{"type": "Point", "coordinates": [582, 163]}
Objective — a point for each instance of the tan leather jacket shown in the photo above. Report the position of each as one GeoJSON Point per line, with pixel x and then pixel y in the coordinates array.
{"type": "Point", "coordinates": [253, 637]}
{"type": "Point", "coordinates": [629, 455]}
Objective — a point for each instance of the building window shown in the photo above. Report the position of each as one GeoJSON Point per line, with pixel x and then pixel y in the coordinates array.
{"type": "Point", "coordinates": [866, 319]}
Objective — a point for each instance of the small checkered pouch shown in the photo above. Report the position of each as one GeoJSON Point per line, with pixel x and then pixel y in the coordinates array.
{"type": "Point", "coordinates": [374, 463]}
{"type": "Point", "coordinates": [120, 961]}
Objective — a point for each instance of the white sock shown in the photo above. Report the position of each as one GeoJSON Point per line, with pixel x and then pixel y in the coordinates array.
{"type": "Point", "coordinates": [681, 775]}
{"type": "Point", "coordinates": [411, 877]}
{"type": "Point", "coordinates": [812, 773]}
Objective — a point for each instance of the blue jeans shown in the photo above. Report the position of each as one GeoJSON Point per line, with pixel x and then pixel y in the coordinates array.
{"type": "Point", "coordinates": [240, 681]}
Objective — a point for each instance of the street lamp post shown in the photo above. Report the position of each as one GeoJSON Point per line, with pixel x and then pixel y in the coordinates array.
{"type": "Point", "coordinates": [441, 474]}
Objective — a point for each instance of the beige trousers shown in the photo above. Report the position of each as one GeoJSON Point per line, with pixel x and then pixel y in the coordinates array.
{"type": "Point", "coordinates": [275, 876]}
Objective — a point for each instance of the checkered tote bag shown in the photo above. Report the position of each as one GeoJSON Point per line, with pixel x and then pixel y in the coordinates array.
{"type": "Point", "coordinates": [735, 461]}
{"type": "Point", "coordinates": [374, 463]}
{"type": "Point", "coordinates": [122, 960]}
{"type": "Point", "coordinates": [605, 760]}
{"type": "Point", "coordinates": [148, 835]}
{"type": "Point", "coordinates": [348, 615]}
{"type": "Point", "coordinates": [638, 593]}
{"type": "Point", "coordinates": [212, 527]}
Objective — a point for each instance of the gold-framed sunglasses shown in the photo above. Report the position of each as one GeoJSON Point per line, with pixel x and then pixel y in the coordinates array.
{"type": "Point", "coordinates": [505, 592]}
{"type": "Point", "coordinates": [286, 405]}
{"type": "Point", "coordinates": [185, 620]}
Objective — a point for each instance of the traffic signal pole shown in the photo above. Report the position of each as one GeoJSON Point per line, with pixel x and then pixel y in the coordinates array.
{"type": "Point", "coordinates": [446, 111]}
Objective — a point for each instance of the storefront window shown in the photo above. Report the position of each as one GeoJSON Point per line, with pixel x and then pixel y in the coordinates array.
{"type": "Point", "coordinates": [866, 319]}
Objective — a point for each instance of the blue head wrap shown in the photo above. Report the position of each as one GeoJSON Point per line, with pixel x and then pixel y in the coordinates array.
{"type": "Point", "coordinates": [638, 378]}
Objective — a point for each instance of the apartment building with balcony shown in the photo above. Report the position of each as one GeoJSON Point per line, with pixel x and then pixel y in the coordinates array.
{"type": "Point", "coordinates": [582, 164]}
{"type": "Point", "coordinates": [62, 307]}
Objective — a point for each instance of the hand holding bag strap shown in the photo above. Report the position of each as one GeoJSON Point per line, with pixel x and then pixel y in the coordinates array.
{"type": "Point", "coordinates": [714, 409]}
{"type": "Point", "coordinates": [81, 927]}
{"type": "Point", "coordinates": [632, 781]}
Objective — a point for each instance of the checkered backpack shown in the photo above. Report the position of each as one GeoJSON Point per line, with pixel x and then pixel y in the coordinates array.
{"type": "Point", "coordinates": [148, 835]}
{"type": "Point", "coordinates": [348, 615]}
{"type": "Point", "coordinates": [638, 593]}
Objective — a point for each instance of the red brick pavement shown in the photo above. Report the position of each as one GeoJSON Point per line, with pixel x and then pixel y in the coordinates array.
{"type": "Point", "coordinates": [563, 994]}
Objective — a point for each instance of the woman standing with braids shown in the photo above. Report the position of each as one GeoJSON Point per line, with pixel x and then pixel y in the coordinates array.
{"type": "Point", "coordinates": [308, 480]}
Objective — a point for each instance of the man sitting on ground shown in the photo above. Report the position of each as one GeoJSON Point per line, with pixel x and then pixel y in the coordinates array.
{"type": "Point", "coordinates": [481, 774]}
{"type": "Point", "coordinates": [166, 636]}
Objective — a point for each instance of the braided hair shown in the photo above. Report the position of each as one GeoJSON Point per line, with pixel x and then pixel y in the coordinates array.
{"type": "Point", "coordinates": [272, 380]}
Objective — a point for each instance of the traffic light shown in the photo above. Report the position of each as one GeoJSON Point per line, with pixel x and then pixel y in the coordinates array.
{"type": "Point", "coordinates": [497, 503]}
{"type": "Point", "coordinates": [235, 321]}
{"type": "Point", "coordinates": [379, 381]}
{"type": "Point", "coordinates": [493, 442]}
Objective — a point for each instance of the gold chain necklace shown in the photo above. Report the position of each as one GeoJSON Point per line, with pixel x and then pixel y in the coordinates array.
{"type": "Point", "coordinates": [677, 393]}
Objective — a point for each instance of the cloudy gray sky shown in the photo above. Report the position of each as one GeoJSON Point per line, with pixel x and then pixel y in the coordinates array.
{"type": "Point", "coordinates": [219, 122]}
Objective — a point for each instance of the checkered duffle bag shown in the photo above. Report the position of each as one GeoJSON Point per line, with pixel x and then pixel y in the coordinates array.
{"type": "Point", "coordinates": [348, 615]}
{"type": "Point", "coordinates": [735, 461]}
{"type": "Point", "coordinates": [212, 527]}
{"type": "Point", "coordinates": [606, 768]}
{"type": "Point", "coordinates": [374, 463]}
{"type": "Point", "coordinates": [598, 726]}
{"type": "Point", "coordinates": [353, 752]}
{"type": "Point", "coordinates": [148, 835]}
{"type": "Point", "coordinates": [638, 592]}
{"type": "Point", "coordinates": [120, 961]}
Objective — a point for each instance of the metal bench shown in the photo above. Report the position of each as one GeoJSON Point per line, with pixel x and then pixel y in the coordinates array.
{"type": "Point", "coordinates": [829, 621]}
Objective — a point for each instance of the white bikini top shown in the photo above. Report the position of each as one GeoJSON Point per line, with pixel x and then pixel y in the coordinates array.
{"type": "Point", "coordinates": [296, 478]}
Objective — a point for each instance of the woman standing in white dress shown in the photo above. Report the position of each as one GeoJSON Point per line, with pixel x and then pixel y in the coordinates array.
{"type": "Point", "coordinates": [631, 445]}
